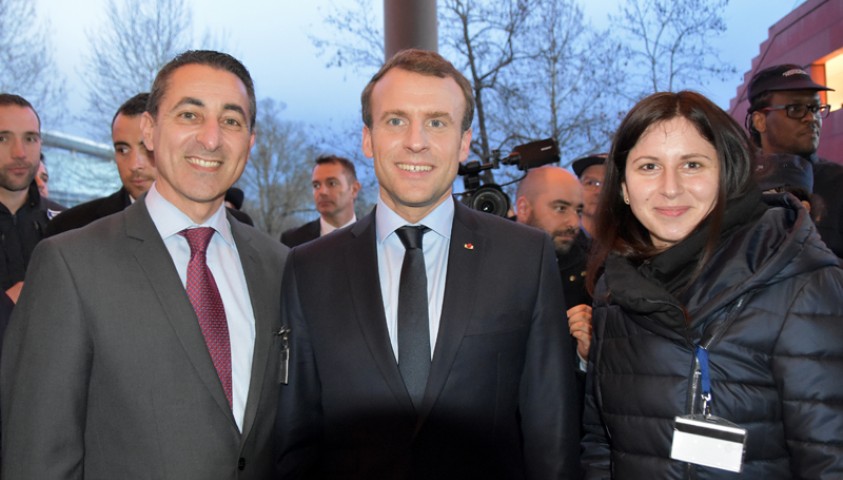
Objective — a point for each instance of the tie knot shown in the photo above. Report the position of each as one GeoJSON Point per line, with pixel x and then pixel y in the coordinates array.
{"type": "Point", "coordinates": [198, 238]}
{"type": "Point", "coordinates": [411, 236]}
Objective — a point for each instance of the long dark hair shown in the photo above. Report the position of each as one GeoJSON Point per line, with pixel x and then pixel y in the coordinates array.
{"type": "Point", "coordinates": [617, 229]}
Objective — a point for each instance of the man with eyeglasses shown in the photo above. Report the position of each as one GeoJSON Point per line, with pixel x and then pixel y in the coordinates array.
{"type": "Point", "coordinates": [590, 170]}
{"type": "Point", "coordinates": [785, 116]}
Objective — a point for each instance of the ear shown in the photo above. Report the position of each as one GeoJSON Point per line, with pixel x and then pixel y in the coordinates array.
{"type": "Point", "coordinates": [147, 129]}
{"type": "Point", "coordinates": [368, 151]}
{"type": "Point", "coordinates": [465, 145]}
{"type": "Point", "coordinates": [522, 208]}
{"type": "Point", "coordinates": [624, 193]}
{"type": "Point", "coordinates": [759, 122]}
{"type": "Point", "coordinates": [355, 188]}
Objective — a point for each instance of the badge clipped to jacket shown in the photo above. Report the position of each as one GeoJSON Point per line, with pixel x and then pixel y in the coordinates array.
{"type": "Point", "coordinates": [705, 439]}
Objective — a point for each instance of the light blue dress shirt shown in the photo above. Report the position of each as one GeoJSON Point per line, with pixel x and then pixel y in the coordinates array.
{"type": "Point", "coordinates": [224, 263]}
{"type": "Point", "coordinates": [391, 256]}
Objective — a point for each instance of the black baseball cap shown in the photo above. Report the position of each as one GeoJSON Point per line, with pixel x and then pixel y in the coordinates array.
{"type": "Point", "coordinates": [579, 165]}
{"type": "Point", "coordinates": [782, 77]}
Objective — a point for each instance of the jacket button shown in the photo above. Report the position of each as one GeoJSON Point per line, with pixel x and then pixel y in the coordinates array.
{"type": "Point", "coordinates": [241, 464]}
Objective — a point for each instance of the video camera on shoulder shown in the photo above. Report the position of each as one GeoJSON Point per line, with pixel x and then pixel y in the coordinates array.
{"type": "Point", "coordinates": [490, 197]}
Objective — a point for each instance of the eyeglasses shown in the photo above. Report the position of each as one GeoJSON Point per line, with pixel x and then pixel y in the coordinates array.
{"type": "Point", "coordinates": [799, 110]}
{"type": "Point", "coordinates": [592, 184]}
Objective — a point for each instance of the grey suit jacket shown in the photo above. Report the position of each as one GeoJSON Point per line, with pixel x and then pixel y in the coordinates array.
{"type": "Point", "coordinates": [500, 398]}
{"type": "Point", "coordinates": [105, 373]}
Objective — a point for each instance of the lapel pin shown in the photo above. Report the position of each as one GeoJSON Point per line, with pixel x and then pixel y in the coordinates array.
{"type": "Point", "coordinates": [468, 246]}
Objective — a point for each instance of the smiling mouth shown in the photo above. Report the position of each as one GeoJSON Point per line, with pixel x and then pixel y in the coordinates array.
{"type": "Point", "coordinates": [204, 163]}
{"type": "Point", "coordinates": [414, 168]}
{"type": "Point", "coordinates": [672, 211]}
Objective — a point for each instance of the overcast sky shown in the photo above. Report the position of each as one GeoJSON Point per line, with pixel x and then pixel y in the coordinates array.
{"type": "Point", "coordinates": [270, 37]}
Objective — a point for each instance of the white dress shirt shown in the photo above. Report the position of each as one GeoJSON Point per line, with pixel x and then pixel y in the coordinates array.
{"type": "Point", "coordinates": [224, 263]}
{"type": "Point", "coordinates": [326, 228]}
{"type": "Point", "coordinates": [435, 244]}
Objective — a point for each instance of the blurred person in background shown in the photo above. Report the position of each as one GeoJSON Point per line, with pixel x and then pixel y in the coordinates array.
{"type": "Point", "coordinates": [335, 188]}
{"type": "Point", "coordinates": [590, 170]}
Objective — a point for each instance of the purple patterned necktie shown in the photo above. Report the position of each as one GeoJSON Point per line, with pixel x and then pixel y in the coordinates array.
{"type": "Point", "coordinates": [205, 298]}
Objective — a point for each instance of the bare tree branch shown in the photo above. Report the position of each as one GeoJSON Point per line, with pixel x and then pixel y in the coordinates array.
{"type": "Point", "coordinates": [672, 38]}
{"type": "Point", "coordinates": [356, 36]}
{"type": "Point", "coordinates": [277, 178]}
{"type": "Point", "coordinates": [136, 39]}
{"type": "Point", "coordinates": [27, 66]}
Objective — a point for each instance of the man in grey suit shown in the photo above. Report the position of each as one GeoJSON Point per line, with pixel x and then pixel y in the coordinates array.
{"type": "Point", "coordinates": [459, 368]}
{"type": "Point", "coordinates": [111, 368]}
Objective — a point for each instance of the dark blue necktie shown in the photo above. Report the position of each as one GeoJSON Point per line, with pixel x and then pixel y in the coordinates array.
{"type": "Point", "coordinates": [413, 318]}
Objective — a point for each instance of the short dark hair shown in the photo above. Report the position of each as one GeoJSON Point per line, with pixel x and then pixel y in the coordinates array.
{"type": "Point", "coordinates": [7, 99]}
{"type": "Point", "coordinates": [423, 62]}
{"type": "Point", "coordinates": [210, 58]}
{"type": "Point", "coordinates": [758, 102]}
{"type": "Point", "coordinates": [618, 230]}
{"type": "Point", "coordinates": [345, 163]}
{"type": "Point", "coordinates": [132, 107]}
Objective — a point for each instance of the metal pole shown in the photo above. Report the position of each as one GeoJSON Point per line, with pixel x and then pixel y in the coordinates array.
{"type": "Point", "coordinates": [409, 24]}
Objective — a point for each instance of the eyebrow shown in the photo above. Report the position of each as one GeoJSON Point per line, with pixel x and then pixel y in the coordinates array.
{"type": "Point", "coordinates": [199, 103]}
{"type": "Point", "coordinates": [564, 202]}
{"type": "Point", "coordinates": [9, 132]}
{"type": "Point", "coordinates": [402, 113]}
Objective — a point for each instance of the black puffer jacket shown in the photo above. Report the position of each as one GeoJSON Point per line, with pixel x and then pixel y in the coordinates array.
{"type": "Point", "coordinates": [777, 369]}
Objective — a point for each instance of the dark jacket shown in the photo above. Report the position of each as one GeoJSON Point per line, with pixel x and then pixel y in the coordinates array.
{"type": "Point", "coordinates": [305, 233]}
{"type": "Point", "coordinates": [776, 290]}
{"type": "Point", "coordinates": [828, 177]}
{"type": "Point", "coordinates": [572, 266]}
{"type": "Point", "coordinates": [85, 213]}
{"type": "Point", "coordinates": [19, 233]}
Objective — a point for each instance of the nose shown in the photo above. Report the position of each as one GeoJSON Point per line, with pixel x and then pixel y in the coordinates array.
{"type": "Point", "coordinates": [671, 183]}
{"type": "Point", "coordinates": [209, 135]}
{"type": "Point", "coordinates": [416, 138]}
{"type": "Point", "coordinates": [139, 158]}
{"type": "Point", "coordinates": [813, 117]}
{"type": "Point", "coordinates": [572, 219]}
{"type": "Point", "coordinates": [18, 149]}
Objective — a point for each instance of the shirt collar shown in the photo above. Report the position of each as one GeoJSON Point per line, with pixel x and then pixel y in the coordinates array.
{"type": "Point", "coordinates": [169, 220]}
{"type": "Point", "coordinates": [440, 220]}
{"type": "Point", "coordinates": [326, 228]}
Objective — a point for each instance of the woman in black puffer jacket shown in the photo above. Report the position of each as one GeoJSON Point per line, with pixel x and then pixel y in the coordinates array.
{"type": "Point", "coordinates": [692, 256]}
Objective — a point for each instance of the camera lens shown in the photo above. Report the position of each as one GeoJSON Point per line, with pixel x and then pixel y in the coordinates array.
{"type": "Point", "coordinates": [490, 200]}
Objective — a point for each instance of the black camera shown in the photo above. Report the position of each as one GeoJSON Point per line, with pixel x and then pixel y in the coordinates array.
{"type": "Point", "coordinates": [490, 197]}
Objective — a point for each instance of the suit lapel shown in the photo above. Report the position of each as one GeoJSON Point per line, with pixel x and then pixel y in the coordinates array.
{"type": "Point", "coordinates": [154, 259]}
{"type": "Point", "coordinates": [465, 258]}
{"type": "Point", "coordinates": [361, 265]}
{"type": "Point", "coordinates": [264, 318]}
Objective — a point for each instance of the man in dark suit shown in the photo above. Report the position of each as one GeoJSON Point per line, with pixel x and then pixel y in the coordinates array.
{"type": "Point", "coordinates": [144, 344]}
{"type": "Point", "coordinates": [134, 164]}
{"type": "Point", "coordinates": [335, 187]}
{"type": "Point", "coordinates": [453, 371]}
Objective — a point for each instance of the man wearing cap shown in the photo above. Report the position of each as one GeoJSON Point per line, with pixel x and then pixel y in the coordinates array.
{"type": "Point", "coordinates": [785, 116]}
{"type": "Point", "coordinates": [590, 170]}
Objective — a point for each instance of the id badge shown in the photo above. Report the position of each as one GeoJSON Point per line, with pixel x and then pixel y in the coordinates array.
{"type": "Point", "coordinates": [709, 441]}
